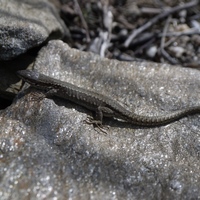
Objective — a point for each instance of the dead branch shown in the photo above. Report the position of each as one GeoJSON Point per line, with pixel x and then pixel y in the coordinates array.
{"type": "Point", "coordinates": [154, 20]}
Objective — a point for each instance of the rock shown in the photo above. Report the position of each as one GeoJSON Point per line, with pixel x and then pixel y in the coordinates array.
{"type": "Point", "coordinates": [26, 24]}
{"type": "Point", "coordinates": [48, 152]}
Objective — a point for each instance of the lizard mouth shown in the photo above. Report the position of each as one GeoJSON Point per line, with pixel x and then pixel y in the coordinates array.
{"type": "Point", "coordinates": [26, 75]}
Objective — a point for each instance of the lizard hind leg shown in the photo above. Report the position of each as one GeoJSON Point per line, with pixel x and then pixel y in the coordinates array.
{"type": "Point", "coordinates": [96, 123]}
{"type": "Point", "coordinates": [99, 118]}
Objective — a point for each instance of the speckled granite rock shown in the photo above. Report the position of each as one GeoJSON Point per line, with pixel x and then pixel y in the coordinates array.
{"type": "Point", "coordinates": [26, 24]}
{"type": "Point", "coordinates": [48, 152]}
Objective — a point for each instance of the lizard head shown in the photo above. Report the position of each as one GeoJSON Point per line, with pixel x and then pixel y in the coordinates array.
{"type": "Point", "coordinates": [29, 76]}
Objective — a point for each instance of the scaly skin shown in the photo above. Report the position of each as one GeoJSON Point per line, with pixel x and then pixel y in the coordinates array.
{"type": "Point", "coordinates": [101, 104]}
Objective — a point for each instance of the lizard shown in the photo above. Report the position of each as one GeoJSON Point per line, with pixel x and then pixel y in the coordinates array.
{"type": "Point", "coordinates": [102, 105]}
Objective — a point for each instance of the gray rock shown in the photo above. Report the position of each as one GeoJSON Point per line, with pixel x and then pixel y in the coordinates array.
{"type": "Point", "coordinates": [48, 152]}
{"type": "Point", "coordinates": [26, 24]}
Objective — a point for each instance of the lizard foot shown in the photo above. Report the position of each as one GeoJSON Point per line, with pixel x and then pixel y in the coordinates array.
{"type": "Point", "coordinates": [37, 96]}
{"type": "Point", "coordinates": [96, 123]}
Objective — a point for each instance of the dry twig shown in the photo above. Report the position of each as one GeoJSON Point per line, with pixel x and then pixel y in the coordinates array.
{"type": "Point", "coordinates": [154, 20]}
{"type": "Point", "coordinates": [82, 20]}
{"type": "Point", "coordinates": [162, 44]}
